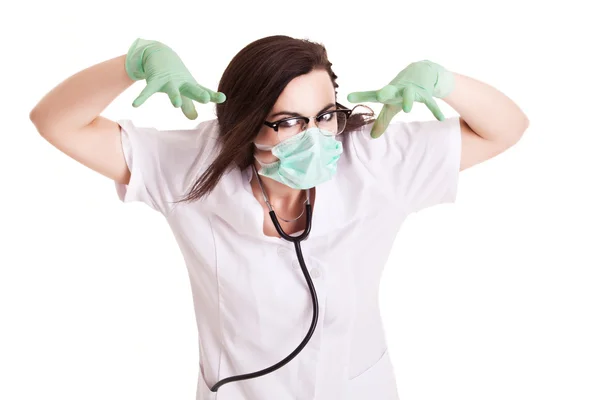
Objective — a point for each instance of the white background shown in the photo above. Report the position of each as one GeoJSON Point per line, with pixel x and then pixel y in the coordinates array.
{"type": "Point", "coordinates": [493, 297]}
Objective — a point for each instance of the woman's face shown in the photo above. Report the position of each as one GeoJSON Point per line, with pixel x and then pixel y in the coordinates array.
{"type": "Point", "coordinates": [306, 95]}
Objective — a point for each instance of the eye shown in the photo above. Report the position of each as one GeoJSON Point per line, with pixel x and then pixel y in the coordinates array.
{"type": "Point", "coordinates": [290, 123]}
{"type": "Point", "coordinates": [327, 117]}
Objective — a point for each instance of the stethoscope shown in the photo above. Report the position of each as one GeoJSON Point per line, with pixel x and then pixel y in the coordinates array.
{"type": "Point", "coordinates": [296, 240]}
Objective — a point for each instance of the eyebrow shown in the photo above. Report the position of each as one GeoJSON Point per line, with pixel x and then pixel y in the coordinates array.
{"type": "Point", "coordinates": [295, 114]}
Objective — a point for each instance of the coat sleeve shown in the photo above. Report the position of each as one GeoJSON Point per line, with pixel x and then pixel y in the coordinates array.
{"type": "Point", "coordinates": [416, 162]}
{"type": "Point", "coordinates": [163, 163]}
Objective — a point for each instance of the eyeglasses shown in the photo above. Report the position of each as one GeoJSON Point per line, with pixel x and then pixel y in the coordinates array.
{"type": "Point", "coordinates": [331, 123]}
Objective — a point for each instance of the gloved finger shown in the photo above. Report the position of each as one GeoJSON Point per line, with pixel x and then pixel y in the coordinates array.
{"type": "Point", "coordinates": [173, 93]}
{"type": "Point", "coordinates": [388, 94]}
{"type": "Point", "coordinates": [188, 108]}
{"type": "Point", "coordinates": [384, 118]}
{"type": "Point", "coordinates": [216, 97]}
{"type": "Point", "coordinates": [359, 97]}
{"type": "Point", "coordinates": [408, 98]}
{"type": "Point", "coordinates": [433, 107]}
{"type": "Point", "coordinates": [145, 94]}
{"type": "Point", "coordinates": [195, 92]}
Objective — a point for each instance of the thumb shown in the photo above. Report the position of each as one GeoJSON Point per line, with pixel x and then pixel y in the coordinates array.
{"type": "Point", "coordinates": [384, 118]}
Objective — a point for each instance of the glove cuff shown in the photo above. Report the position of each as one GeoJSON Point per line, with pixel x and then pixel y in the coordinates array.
{"type": "Point", "coordinates": [444, 84]}
{"type": "Point", "coordinates": [134, 60]}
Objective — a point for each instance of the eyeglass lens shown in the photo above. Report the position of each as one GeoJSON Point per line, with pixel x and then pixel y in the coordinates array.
{"type": "Point", "coordinates": [331, 123]}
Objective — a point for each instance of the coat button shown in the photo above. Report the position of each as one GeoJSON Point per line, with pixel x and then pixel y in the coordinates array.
{"type": "Point", "coordinates": [282, 251]}
{"type": "Point", "coordinates": [296, 264]}
{"type": "Point", "coordinates": [315, 272]}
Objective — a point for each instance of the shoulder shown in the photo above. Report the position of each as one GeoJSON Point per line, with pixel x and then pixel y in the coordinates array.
{"type": "Point", "coordinates": [410, 157]}
{"type": "Point", "coordinates": [165, 162]}
{"type": "Point", "coordinates": [403, 140]}
{"type": "Point", "coordinates": [204, 134]}
{"type": "Point", "coordinates": [171, 147]}
{"type": "Point", "coordinates": [405, 132]}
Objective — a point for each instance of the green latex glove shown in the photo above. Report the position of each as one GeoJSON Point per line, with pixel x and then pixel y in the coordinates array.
{"type": "Point", "coordinates": [164, 72]}
{"type": "Point", "coordinates": [420, 81]}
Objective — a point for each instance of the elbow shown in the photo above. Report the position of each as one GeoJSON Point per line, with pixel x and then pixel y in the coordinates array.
{"type": "Point", "coordinates": [524, 126]}
{"type": "Point", "coordinates": [515, 133]}
{"type": "Point", "coordinates": [520, 128]}
{"type": "Point", "coordinates": [525, 123]}
{"type": "Point", "coordinates": [35, 113]}
{"type": "Point", "coordinates": [34, 117]}
{"type": "Point", "coordinates": [39, 121]}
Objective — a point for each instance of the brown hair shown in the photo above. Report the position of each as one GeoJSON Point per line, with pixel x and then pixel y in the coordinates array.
{"type": "Point", "coordinates": [252, 82]}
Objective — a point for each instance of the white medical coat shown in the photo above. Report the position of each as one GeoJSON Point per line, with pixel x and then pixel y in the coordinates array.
{"type": "Point", "coordinates": [252, 302]}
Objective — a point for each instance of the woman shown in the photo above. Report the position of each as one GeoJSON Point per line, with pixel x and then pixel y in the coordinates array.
{"type": "Point", "coordinates": [282, 157]}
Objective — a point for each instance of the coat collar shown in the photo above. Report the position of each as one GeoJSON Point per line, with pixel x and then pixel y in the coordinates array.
{"type": "Point", "coordinates": [233, 202]}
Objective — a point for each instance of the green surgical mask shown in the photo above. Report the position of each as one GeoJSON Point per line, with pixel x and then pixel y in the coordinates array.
{"type": "Point", "coordinates": [305, 160]}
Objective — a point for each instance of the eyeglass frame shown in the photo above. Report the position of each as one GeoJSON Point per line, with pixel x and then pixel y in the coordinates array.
{"type": "Point", "coordinates": [339, 107]}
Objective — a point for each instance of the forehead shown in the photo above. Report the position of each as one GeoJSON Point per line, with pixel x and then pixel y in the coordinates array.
{"type": "Point", "coordinates": [306, 94]}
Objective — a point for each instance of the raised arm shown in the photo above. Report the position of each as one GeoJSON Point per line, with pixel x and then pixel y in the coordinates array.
{"type": "Point", "coordinates": [69, 118]}
{"type": "Point", "coordinates": [69, 115]}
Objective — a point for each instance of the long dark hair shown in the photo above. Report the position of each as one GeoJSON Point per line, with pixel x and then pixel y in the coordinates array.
{"type": "Point", "coordinates": [252, 82]}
